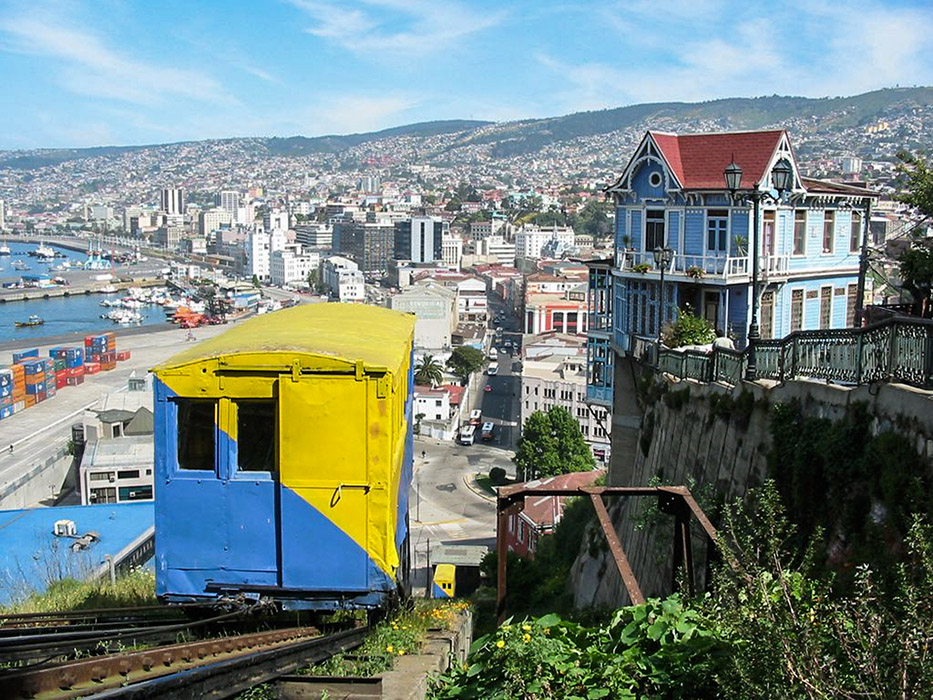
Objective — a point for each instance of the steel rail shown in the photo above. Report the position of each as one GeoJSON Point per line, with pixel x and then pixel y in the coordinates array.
{"type": "Point", "coordinates": [44, 643]}
{"type": "Point", "coordinates": [209, 668]}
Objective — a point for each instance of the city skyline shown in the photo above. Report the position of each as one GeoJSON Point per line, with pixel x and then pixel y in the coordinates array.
{"type": "Point", "coordinates": [124, 73]}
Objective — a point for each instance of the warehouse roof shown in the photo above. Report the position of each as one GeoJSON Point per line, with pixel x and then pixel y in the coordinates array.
{"type": "Point", "coordinates": [31, 553]}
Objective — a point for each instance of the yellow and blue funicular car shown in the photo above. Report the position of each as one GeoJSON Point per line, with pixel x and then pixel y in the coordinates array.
{"type": "Point", "coordinates": [283, 458]}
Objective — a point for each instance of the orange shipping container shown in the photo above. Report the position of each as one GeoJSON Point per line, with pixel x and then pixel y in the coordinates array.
{"type": "Point", "coordinates": [30, 400]}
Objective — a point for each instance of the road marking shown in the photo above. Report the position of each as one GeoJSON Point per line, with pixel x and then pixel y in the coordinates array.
{"type": "Point", "coordinates": [445, 522]}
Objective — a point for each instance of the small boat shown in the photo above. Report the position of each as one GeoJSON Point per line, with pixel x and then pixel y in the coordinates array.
{"type": "Point", "coordinates": [33, 321]}
{"type": "Point", "coordinates": [4, 249]}
{"type": "Point", "coordinates": [20, 265]}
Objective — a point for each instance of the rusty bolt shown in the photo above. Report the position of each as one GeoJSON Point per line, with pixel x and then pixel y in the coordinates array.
{"type": "Point", "coordinates": [30, 688]}
{"type": "Point", "coordinates": [98, 674]}
{"type": "Point", "coordinates": [66, 680]}
{"type": "Point", "coordinates": [167, 659]}
{"type": "Point", "coordinates": [124, 668]}
{"type": "Point", "coordinates": [147, 662]}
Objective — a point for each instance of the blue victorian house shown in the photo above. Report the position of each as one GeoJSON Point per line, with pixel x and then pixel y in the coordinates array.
{"type": "Point", "coordinates": [673, 197]}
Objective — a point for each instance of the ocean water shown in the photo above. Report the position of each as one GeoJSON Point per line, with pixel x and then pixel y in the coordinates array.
{"type": "Point", "coordinates": [78, 315]}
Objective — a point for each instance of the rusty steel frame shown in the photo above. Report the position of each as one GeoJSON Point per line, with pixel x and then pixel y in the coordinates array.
{"type": "Point", "coordinates": [675, 500]}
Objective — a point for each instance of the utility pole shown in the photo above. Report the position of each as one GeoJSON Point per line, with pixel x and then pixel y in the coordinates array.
{"type": "Point", "coordinates": [862, 267]}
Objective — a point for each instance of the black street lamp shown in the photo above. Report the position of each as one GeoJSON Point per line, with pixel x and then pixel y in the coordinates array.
{"type": "Point", "coordinates": [662, 259]}
{"type": "Point", "coordinates": [782, 179]}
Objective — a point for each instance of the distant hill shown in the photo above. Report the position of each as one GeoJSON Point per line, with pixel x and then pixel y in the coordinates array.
{"type": "Point", "coordinates": [302, 145]}
{"type": "Point", "coordinates": [509, 139]}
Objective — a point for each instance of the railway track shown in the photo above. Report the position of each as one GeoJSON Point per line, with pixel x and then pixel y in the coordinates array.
{"type": "Point", "coordinates": [48, 635]}
{"type": "Point", "coordinates": [210, 668]}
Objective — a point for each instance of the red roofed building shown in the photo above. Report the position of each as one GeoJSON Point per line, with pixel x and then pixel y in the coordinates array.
{"type": "Point", "coordinates": [541, 514]}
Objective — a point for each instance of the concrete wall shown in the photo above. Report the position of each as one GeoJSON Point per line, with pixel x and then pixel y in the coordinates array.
{"type": "Point", "coordinates": [39, 483]}
{"type": "Point", "coordinates": [687, 444]}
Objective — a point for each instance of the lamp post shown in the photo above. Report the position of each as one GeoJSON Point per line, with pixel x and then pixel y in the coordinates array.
{"type": "Point", "coordinates": [862, 267]}
{"type": "Point", "coordinates": [781, 178]}
{"type": "Point", "coordinates": [662, 259]}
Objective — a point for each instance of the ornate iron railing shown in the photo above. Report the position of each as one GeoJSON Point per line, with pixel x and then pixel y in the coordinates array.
{"type": "Point", "coordinates": [896, 350]}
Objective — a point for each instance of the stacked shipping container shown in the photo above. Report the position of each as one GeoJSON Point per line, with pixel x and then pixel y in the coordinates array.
{"type": "Point", "coordinates": [31, 379]}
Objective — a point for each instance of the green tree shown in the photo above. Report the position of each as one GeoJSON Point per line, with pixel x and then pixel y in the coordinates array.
{"type": "Point", "coordinates": [551, 444]}
{"type": "Point", "coordinates": [256, 281]}
{"type": "Point", "coordinates": [464, 361]}
{"type": "Point", "coordinates": [313, 280]}
{"type": "Point", "coordinates": [429, 371]}
{"type": "Point", "coordinates": [916, 263]}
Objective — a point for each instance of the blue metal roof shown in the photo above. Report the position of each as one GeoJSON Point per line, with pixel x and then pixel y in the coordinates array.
{"type": "Point", "coordinates": [31, 557]}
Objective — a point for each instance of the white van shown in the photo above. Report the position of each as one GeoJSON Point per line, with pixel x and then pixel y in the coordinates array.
{"type": "Point", "coordinates": [493, 354]}
{"type": "Point", "coordinates": [493, 369]}
{"type": "Point", "coordinates": [467, 434]}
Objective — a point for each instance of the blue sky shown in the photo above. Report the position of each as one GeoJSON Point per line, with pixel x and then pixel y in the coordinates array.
{"type": "Point", "coordinates": [114, 72]}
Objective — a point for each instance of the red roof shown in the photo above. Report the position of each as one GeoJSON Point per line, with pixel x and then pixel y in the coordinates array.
{"type": "Point", "coordinates": [456, 393]}
{"type": "Point", "coordinates": [545, 511]}
{"type": "Point", "coordinates": [699, 160]}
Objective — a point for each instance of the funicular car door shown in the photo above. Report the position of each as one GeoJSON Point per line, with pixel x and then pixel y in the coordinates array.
{"type": "Point", "coordinates": [325, 483]}
{"type": "Point", "coordinates": [219, 495]}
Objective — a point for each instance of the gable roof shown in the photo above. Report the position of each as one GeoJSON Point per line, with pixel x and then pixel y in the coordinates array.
{"type": "Point", "coordinates": [699, 160]}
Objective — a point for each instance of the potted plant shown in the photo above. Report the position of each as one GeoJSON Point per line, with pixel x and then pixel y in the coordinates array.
{"type": "Point", "coordinates": [741, 245]}
{"type": "Point", "coordinates": [641, 268]}
{"type": "Point", "coordinates": [695, 272]}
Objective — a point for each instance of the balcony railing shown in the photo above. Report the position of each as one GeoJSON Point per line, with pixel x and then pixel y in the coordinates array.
{"type": "Point", "coordinates": [716, 266]}
{"type": "Point", "coordinates": [896, 350]}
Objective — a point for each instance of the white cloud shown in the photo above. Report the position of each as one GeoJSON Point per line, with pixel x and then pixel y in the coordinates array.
{"type": "Point", "coordinates": [347, 114]}
{"type": "Point", "coordinates": [91, 68]}
{"type": "Point", "coordinates": [429, 27]}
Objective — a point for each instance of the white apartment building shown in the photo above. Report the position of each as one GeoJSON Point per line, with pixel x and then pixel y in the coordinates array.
{"type": "Point", "coordinates": [554, 374]}
{"type": "Point", "coordinates": [292, 265]}
{"type": "Point", "coordinates": [212, 219]}
{"type": "Point", "coordinates": [172, 200]}
{"type": "Point", "coordinates": [344, 279]}
{"type": "Point", "coordinates": [497, 247]}
{"type": "Point", "coordinates": [276, 220]}
{"type": "Point", "coordinates": [530, 239]}
{"type": "Point", "coordinates": [229, 200]}
{"type": "Point", "coordinates": [452, 250]}
{"type": "Point", "coordinates": [258, 255]}
{"type": "Point", "coordinates": [313, 234]}
{"type": "Point", "coordinates": [2, 216]}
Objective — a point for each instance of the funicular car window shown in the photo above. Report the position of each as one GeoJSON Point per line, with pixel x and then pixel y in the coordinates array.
{"type": "Point", "coordinates": [196, 434]}
{"type": "Point", "coordinates": [255, 436]}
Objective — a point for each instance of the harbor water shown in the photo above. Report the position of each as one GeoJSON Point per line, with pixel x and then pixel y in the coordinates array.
{"type": "Point", "coordinates": [77, 315]}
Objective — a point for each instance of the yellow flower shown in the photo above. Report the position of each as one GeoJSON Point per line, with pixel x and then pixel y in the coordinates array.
{"type": "Point", "coordinates": [389, 648]}
{"type": "Point", "coordinates": [401, 652]}
{"type": "Point", "coordinates": [500, 644]}
{"type": "Point", "coordinates": [547, 630]}
{"type": "Point", "coordinates": [527, 628]}
{"type": "Point", "coordinates": [526, 637]}
{"type": "Point", "coordinates": [506, 627]}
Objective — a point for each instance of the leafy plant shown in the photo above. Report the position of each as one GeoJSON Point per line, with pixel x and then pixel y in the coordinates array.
{"type": "Point", "coordinates": [464, 361]}
{"type": "Point", "coordinates": [429, 372]}
{"type": "Point", "coordinates": [551, 443]}
{"type": "Point", "coordinates": [641, 268]}
{"type": "Point", "coordinates": [695, 272]}
{"type": "Point", "coordinates": [497, 476]}
{"type": "Point", "coordinates": [689, 329]}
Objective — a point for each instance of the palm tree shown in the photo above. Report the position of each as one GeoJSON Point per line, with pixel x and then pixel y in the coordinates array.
{"type": "Point", "coordinates": [429, 371]}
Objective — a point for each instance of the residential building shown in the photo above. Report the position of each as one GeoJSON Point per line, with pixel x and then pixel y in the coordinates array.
{"type": "Point", "coordinates": [344, 279]}
{"type": "Point", "coordinates": [2, 216]}
{"type": "Point", "coordinates": [371, 244]}
{"type": "Point", "coordinates": [534, 242]}
{"type": "Point", "coordinates": [439, 410]}
{"type": "Point", "coordinates": [292, 264]}
{"type": "Point", "coordinates": [258, 255]}
{"type": "Point", "coordinates": [565, 312]}
{"type": "Point", "coordinates": [435, 310]}
{"type": "Point", "coordinates": [496, 247]}
{"type": "Point", "coordinates": [541, 514]}
{"type": "Point", "coordinates": [420, 239]}
{"type": "Point", "coordinates": [169, 236]}
{"type": "Point", "coordinates": [229, 200]}
{"type": "Point", "coordinates": [276, 220]}
{"type": "Point", "coordinates": [673, 194]}
{"type": "Point", "coordinates": [452, 250]}
{"type": "Point", "coordinates": [212, 219]}
{"type": "Point", "coordinates": [172, 200]}
{"type": "Point", "coordinates": [472, 302]}
{"type": "Point", "coordinates": [554, 374]}
{"type": "Point", "coordinates": [116, 465]}
{"type": "Point", "coordinates": [314, 235]}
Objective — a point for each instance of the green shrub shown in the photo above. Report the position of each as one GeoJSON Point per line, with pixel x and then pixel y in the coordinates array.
{"type": "Point", "coordinates": [689, 329]}
{"type": "Point", "coordinates": [497, 476]}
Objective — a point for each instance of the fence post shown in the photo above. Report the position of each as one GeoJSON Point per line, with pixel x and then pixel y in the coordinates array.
{"type": "Point", "coordinates": [860, 344]}
{"type": "Point", "coordinates": [892, 338]}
